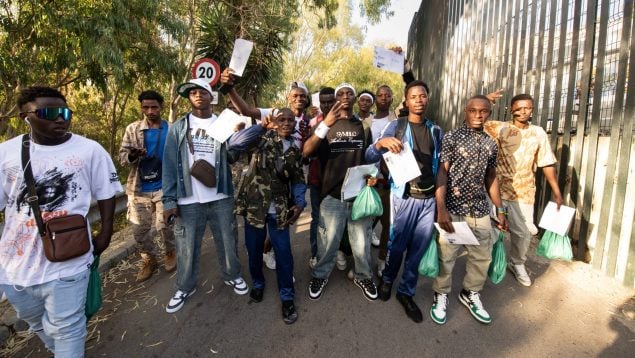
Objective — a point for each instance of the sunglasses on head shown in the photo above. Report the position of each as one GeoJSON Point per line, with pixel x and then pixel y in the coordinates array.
{"type": "Point", "coordinates": [51, 113]}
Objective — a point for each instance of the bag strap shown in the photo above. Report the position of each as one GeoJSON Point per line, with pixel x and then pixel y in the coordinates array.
{"type": "Point", "coordinates": [32, 198]}
{"type": "Point", "coordinates": [188, 134]}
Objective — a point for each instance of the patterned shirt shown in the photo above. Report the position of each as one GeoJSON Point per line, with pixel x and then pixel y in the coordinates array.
{"type": "Point", "coordinates": [522, 151]}
{"type": "Point", "coordinates": [470, 153]}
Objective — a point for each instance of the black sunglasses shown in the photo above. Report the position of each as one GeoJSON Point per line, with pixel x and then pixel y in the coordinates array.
{"type": "Point", "coordinates": [51, 113]}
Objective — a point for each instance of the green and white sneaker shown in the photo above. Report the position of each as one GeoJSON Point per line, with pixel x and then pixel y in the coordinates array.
{"type": "Point", "coordinates": [439, 308]}
{"type": "Point", "coordinates": [472, 300]}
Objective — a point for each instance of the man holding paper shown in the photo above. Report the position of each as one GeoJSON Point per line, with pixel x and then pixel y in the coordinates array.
{"type": "Point", "coordinates": [523, 148]}
{"type": "Point", "coordinates": [197, 191]}
{"type": "Point", "coordinates": [412, 200]}
{"type": "Point", "coordinates": [339, 142]}
{"type": "Point", "coordinates": [468, 168]}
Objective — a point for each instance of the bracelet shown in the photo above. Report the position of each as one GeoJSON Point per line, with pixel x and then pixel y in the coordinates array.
{"type": "Point", "coordinates": [321, 130]}
{"type": "Point", "coordinates": [502, 210]}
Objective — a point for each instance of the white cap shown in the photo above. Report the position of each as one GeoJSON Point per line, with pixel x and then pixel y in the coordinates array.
{"type": "Point", "coordinates": [345, 85]}
{"type": "Point", "coordinates": [184, 88]}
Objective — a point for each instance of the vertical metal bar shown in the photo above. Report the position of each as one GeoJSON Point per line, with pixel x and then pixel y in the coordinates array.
{"type": "Point", "coordinates": [589, 45]}
{"type": "Point", "coordinates": [538, 69]}
{"type": "Point", "coordinates": [500, 46]}
{"type": "Point", "coordinates": [572, 92]}
{"type": "Point", "coordinates": [616, 123]}
{"type": "Point", "coordinates": [592, 138]}
{"type": "Point", "coordinates": [514, 67]}
{"type": "Point", "coordinates": [531, 62]}
{"type": "Point", "coordinates": [546, 102]}
{"type": "Point", "coordinates": [522, 69]}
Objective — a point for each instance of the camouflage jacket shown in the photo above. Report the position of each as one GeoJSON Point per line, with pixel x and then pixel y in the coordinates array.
{"type": "Point", "coordinates": [273, 175]}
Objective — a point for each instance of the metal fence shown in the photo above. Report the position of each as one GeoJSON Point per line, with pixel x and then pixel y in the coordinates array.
{"type": "Point", "coordinates": [573, 56]}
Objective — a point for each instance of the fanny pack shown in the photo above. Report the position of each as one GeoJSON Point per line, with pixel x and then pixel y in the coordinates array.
{"type": "Point", "coordinates": [201, 169]}
{"type": "Point", "coordinates": [204, 172]}
{"type": "Point", "coordinates": [64, 237]}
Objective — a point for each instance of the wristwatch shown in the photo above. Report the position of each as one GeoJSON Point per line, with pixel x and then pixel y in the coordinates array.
{"type": "Point", "coordinates": [502, 210]}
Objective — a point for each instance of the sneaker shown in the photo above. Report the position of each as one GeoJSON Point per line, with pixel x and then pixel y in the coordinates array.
{"type": "Point", "coordinates": [385, 289]}
{"type": "Point", "coordinates": [412, 310]}
{"type": "Point", "coordinates": [316, 287]}
{"type": "Point", "coordinates": [169, 262]}
{"type": "Point", "coordinates": [177, 302]}
{"type": "Point", "coordinates": [289, 314]}
{"type": "Point", "coordinates": [439, 308]}
{"type": "Point", "coordinates": [270, 260]}
{"type": "Point", "coordinates": [350, 274]}
{"type": "Point", "coordinates": [375, 240]}
{"type": "Point", "coordinates": [239, 285]}
{"type": "Point", "coordinates": [381, 265]}
{"type": "Point", "coordinates": [472, 300]}
{"type": "Point", "coordinates": [256, 294]}
{"type": "Point", "coordinates": [312, 262]}
{"type": "Point", "coordinates": [368, 288]}
{"type": "Point", "coordinates": [341, 260]}
{"type": "Point", "coordinates": [520, 273]}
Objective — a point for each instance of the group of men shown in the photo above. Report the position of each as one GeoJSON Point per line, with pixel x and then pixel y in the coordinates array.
{"type": "Point", "coordinates": [180, 182]}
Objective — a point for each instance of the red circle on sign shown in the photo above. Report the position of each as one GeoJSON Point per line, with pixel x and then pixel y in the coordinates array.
{"type": "Point", "coordinates": [207, 69]}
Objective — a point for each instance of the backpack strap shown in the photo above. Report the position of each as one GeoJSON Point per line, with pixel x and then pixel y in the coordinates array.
{"type": "Point", "coordinates": [402, 124]}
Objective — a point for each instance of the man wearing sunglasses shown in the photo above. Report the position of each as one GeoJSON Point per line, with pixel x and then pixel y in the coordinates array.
{"type": "Point", "coordinates": [69, 171]}
{"type": "Point", "coordinates": [142, 150]}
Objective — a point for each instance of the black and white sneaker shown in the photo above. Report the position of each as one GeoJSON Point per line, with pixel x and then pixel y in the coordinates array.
{"type": "Point", "coordinates": [177, 302]}
{"type": "Point", "coordinates": [239, 285]}
{"type": "Point", "coordinates": [316, 286]}
{"type": "Point", "coordinates": [368, 287]}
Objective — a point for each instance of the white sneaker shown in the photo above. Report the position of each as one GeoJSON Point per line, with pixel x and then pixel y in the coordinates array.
{"type": "Point", "coordinates": [381, 265]}
{"type": "Point", "coordinates": [341, 260]}
{"type": "Point", "coordinates": [520, 273]}
{"type": "Point", "coordinates": [312, 262]}
{"type": "Point", "coordinates": [439, 308]}
{"type": "Point", "coordinates": [239, 285]}
{"type": "Point", "coordinates": [270, 259]}
{"type": "Point", "coordinates": [375, 240]}
{"type": "Point", "coordinates": [177, 302]}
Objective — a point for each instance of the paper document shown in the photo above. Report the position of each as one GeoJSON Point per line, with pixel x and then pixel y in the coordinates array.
{"type": "Point", "coordinates": [403, 166]}
{"type": "Point", "coordinates": [388, 60]}
{"type": "Point", "coordinates": [354, 181]}
{"type": "Point", "coordinates": [315, 99]}
{"type": "Point", "coordinates": [462, 234]}
{"type": "Point", "coordinates": [555, 220]}
{"type": "Point", "coordinates": [225, 125]}
{"type": "Point", "coordinates": [240, 55]}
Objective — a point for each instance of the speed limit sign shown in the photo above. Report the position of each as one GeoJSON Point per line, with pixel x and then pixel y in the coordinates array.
{"type": "Point", "coordinates": [206, 69]}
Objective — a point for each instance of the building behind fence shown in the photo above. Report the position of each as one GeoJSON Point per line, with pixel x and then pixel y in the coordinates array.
{"type": "Point", "coordinates": [573, 57]}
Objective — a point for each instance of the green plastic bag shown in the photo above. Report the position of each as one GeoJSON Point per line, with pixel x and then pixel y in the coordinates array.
{"type": "Point", "coordinates": [553, 246]}
{"type": "Point", "coordinates": [366, 204]}
{"type": "Point", "coordinates": [498, 265]}
{"type": "Point", "coordinates": [93, 295]}
{"type": "Point", "coordinates": [429, 265]}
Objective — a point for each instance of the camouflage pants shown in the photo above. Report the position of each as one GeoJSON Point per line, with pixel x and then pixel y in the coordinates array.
{"type": "Point", "coordinates": [144, 210]}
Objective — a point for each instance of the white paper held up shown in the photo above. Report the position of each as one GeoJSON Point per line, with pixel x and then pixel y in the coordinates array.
{"type": "Point", "coordinates": [315, 99]}
{"type": "Point", "coordinates": [225, 125]}
{"type": "Point", "coordinates": [555, 220]}
{"type": "Point", "coordinates": [462, 234]}
{"type": "Point", "coordinates": [403, 166]}
{"type": "Point", "coordinates": [388, 60]}
{"type": "Point", "coordinates": [240, 56]}
{"type": "Point", "coordinates": [355, 180]}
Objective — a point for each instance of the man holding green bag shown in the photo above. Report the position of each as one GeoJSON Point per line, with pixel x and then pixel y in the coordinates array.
{"type": "Point", "coordinates": [413, 204]}
{"type": "Point", "coordinates": [467, 170]}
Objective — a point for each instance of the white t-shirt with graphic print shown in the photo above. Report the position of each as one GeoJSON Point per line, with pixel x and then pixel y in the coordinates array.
{"type": "Point", "coordinates": [204, 148]}
{"type": "Point", "coordinates": [67, 177]}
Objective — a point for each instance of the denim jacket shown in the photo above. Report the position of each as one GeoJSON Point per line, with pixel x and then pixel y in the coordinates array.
{"type": "Point", "coordinates": [373, 155]}
{"type": "Point", "coordinates": [177, 182]}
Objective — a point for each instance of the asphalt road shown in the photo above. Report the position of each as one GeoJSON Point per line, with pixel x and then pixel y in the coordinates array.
{"type": "Point", "coordinates": [570, 311]}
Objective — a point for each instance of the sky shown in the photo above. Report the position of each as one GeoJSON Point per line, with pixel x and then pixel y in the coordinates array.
{"type": "Point", "coordinates": [395, 29]}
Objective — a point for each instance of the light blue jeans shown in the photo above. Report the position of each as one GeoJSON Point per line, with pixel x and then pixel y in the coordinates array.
{"type": "Point", "coordinates": [335, 217]}
{"type": "Point", "coordinates": [54, 310]}
{"type": "Point", "coordinates": [189, 229]}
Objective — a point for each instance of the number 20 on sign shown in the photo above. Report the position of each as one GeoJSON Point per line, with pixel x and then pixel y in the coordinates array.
{"type": "Point", "coordinates": [206, 69]}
